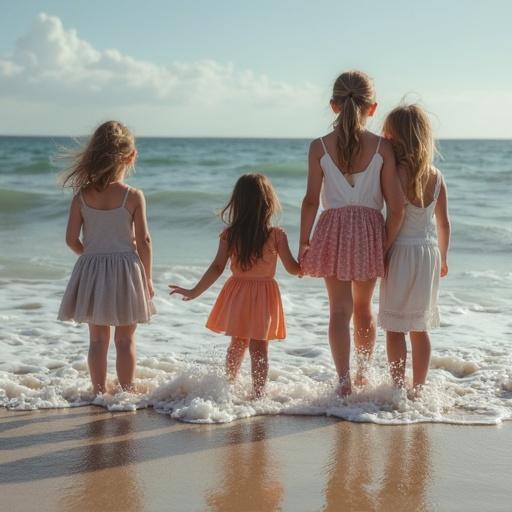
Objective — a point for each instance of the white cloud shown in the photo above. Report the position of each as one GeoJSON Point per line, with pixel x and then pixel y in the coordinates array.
{"type": "Point", "coordinates": [51, 63]}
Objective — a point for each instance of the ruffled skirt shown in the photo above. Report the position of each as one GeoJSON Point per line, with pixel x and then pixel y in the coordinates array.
{"type": "Point", "coordinates": [249, 308]}
{"type": "Point", "coordinates": [348, 243]}
{"type": "Point", "coordinates": [107, 289]}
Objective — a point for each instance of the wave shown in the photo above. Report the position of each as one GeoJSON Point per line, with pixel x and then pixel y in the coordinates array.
{"type": "Point", "coordinates": [161, 161]}
{"type": "Point", "coordinates": [42, 166]}
{"type": "Point", "coordinates": [13, 201]}
{"type": "Point", "coordinates": [195, 390]}
{"type": "Point", "coordinates": [287, 169]}
{"type": "Point", "coordinates": [179, 198]}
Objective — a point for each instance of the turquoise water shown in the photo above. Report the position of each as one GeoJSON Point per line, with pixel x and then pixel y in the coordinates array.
{"type": "Point", "coordinates": [186, 181]}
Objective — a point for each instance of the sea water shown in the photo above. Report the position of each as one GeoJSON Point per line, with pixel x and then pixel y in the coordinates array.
{"type": "Point", "coordinates": [180, 363]}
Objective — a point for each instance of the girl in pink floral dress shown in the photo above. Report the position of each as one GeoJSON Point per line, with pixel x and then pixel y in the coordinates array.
{"type": "Point", "coordinates": [351, 174]}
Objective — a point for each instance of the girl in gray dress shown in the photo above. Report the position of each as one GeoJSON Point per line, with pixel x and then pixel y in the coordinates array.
{"type": "Point", "coordinates": [111, 282]}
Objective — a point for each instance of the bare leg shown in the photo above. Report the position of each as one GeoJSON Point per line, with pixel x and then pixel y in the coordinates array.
{"type": "Point", "coordinates": [340, 307]}
{"type": "Point", "coordinates": [99, 337]}
{"type": "Point", "coordinates": [420, 343]}
{"type": "Point", "coordinates": [259, 365]}
{"type": "Point", "coordinates": [364, 327]}
{"type": "Point", "coordinates": [397, 356]}
{"type": "Point", "coordinates": [125, 361]}
{"type": "Point", "coordinates": [235, 357]}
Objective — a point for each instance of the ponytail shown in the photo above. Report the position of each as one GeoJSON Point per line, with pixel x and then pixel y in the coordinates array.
{"type": "Point", "coordinates": [353, 93]}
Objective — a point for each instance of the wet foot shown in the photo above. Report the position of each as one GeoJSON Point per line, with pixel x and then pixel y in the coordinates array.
{"type": "Point", "coordinates": [415, 393]}
{"type": "Point", "coordinates": [257, 395]}
{"type": "Point", "coordinates": [344, 388]}
{"type": "Point", "coordinates": [361, 380]}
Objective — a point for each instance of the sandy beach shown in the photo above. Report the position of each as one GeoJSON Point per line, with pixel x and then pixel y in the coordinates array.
{"type": "Point", "coordinates": [88, 459]}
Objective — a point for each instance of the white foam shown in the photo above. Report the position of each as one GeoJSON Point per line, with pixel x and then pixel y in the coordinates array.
{"type": "Point", "coordinates": [180, 367]}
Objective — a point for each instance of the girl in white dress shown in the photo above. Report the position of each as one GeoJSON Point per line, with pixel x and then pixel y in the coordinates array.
{"type": "Point", "coordinates": [418, 257]}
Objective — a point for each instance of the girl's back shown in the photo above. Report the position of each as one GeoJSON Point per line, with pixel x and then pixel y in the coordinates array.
{"type": "Point", "coordinates": [108, 223]}
{"type": "Point", "coordinates": [419, 225]}
{"type": "Point", "coordinates": [264, 267]}
{"type": "Point", "coordinates": [359, 186]}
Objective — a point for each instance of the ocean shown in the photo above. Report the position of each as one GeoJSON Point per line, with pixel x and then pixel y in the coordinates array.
{"type": "Point", "coordinates": [180, 363]}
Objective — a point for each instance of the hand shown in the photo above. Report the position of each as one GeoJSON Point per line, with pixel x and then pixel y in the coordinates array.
{"type": "Point", "coordinates": [444, 269]}
{"type": "Point", "coordinates": [151, 288]}
{"type": "Point", "coordinates": [303, 249]}
{"type": "Point", "coordinates": [188, 294]}
{"type": "Point", "coordinates": [387, 259]}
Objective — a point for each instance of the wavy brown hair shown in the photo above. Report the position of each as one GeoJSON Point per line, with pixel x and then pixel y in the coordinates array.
{"type": "Point", "coordinates": [102, 160]}
{"type": "Point", "coordinates": [248, 215]}
{"type": "Point", "coordinates": [353, 93]}
{"type": "Point", "coordinates": [409, 130]}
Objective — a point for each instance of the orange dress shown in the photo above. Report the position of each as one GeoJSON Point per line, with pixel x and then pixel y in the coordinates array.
{"type": "Point", "coordinates": [249, 305]}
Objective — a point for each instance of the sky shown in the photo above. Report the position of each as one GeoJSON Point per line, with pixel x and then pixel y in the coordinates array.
{"type": "Point", "coordinates": [249, 69]}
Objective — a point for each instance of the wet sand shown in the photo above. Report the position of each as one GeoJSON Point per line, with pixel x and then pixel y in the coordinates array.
{"type": "Point", "coordinates": [87, 459]}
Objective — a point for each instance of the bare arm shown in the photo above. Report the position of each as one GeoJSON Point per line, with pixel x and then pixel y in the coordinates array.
{"type": "Point", "coordinates": [143, 239]}
{"type": "Point", "coordinates": [311, 200]}
{"type": "Point", "coordinates": [75, 222]}
{"type": "Point", "coordinates": [290, 263]}
{"type": "Point", "coordinates": [393, 195]}
{"type": "Point", "coordinates": [209, 277]}
{"type": "Point", "coordinates": [443, 227]}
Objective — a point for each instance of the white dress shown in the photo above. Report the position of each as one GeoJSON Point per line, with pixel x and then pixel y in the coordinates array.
{"type": "Point", "coordinates": [108, 285]}
{"type": "Point", "coordinates": [409, 292]}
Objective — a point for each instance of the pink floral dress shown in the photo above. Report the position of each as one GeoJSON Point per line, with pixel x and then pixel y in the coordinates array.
{"type": "Point", "coordinates": [348, 240]}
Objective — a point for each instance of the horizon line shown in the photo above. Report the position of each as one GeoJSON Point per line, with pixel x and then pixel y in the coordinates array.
{"type": "Point", "coordinates": [227, 137]}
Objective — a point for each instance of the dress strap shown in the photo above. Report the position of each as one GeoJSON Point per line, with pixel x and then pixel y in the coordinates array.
{"type": "Point", "coordinates": [125, 197]}
{"type": "Point", "coordinates": [439, 181]}
{"type": "Point", "coordinates": [378, 145]}
{"type": "Point", "coordinates": [323, 144]}
{"type": "Point", "coordinates": [82, 200]}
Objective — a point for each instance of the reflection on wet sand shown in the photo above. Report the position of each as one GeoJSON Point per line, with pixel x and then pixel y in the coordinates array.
{"type": "Point", "coordinates": [248, 473]}
{"type": "Point", "coordinates": [378, 468]}
{"type": "Point", "coordinates": [116, 489]}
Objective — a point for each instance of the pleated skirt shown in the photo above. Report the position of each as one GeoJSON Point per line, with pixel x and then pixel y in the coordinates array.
{"type": "Point", "coordinates": [107, 289]}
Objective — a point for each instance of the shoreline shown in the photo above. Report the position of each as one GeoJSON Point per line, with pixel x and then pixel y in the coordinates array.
{"type": "Point", "coordinates": [86, 458]}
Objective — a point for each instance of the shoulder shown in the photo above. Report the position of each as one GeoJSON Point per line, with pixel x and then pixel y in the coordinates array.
{"type": "Point", "coordinates": [439, 176]}
{"type": "Point", "coordinates": [136, 196]}
{"type": "Point", "coordinates": [223, 235]}
{"type": "Point", "coordinates": [437, 173]}
{"type": "Point", "coordinates": [76, 200]}
{"type": "Point", "coordinates": [316, 148]}
{"type": "Point", "coordinates": [385, 148]}
{"type": "Point", "coordinates": [279, 234]}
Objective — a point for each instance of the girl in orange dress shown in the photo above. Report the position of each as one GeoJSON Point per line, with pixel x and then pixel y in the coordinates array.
{"type": "Point", "coordinates": [249, 307]}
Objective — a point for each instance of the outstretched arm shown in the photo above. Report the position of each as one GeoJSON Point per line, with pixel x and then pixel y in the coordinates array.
{"type": "Point", "coordinates": [393, 195]}
{"type": "Point", "coordinates": [209, 277]}
{"type": "Point", "coordinates": [311, 200]}
{"type": "Point", "coordinates": [443, 227]}
{"type": "Point", "coordinates": [142, 238]}
{"type": "Point", "coordinates": [75, 222]}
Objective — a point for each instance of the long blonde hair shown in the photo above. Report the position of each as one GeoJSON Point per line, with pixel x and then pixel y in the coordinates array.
{"type": "Point", "coordinates": [353, 93]}
{"type": "Point", "coordinates": [410, 132]}
{"type": "Point", "coordinates": [102, 160]}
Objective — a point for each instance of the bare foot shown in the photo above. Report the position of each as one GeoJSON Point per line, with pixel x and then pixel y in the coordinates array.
{"type": "Point", "coordinates": [361, 380]}
{"type": "Point", "coordinates": [344, 388]}
{"type": "Point", "coordinates": [257, 395]}
{"type": "Point", "coordinates": [415, 392]}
